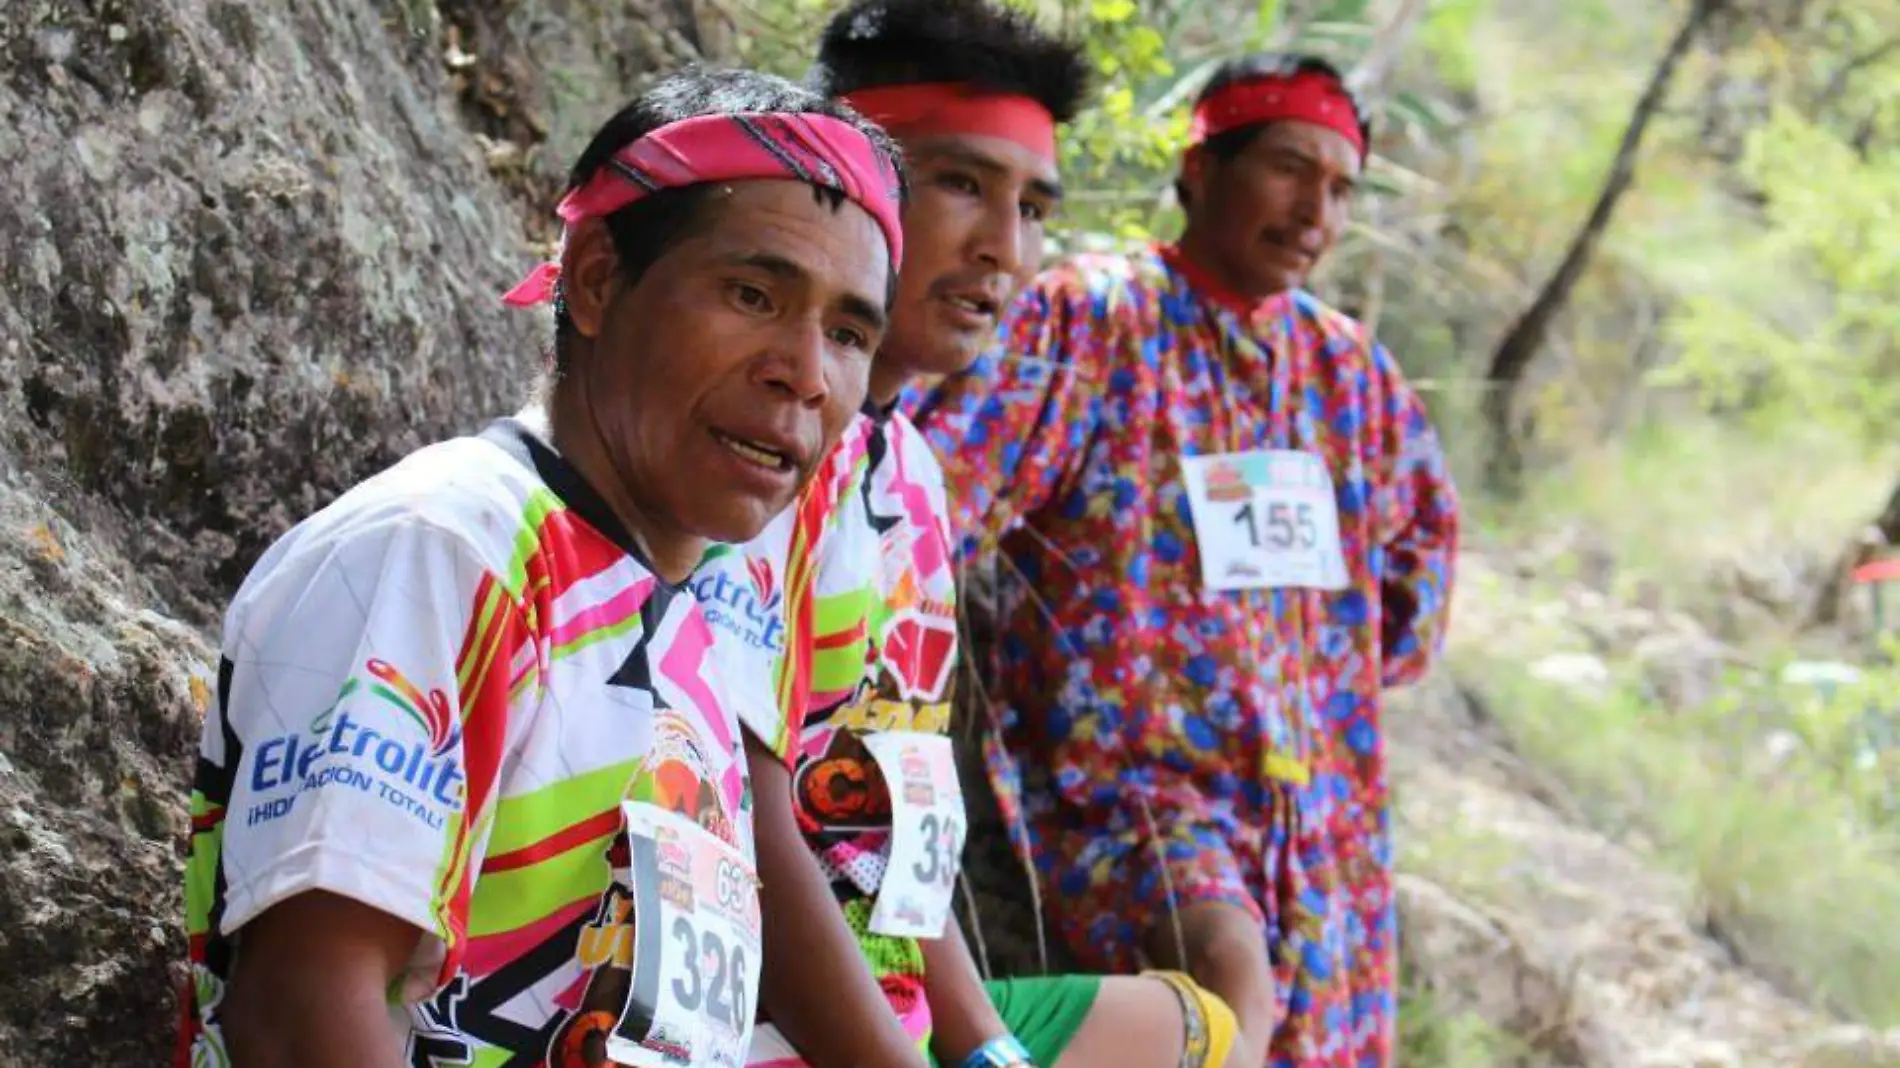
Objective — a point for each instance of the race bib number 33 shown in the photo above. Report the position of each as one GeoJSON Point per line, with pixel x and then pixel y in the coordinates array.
{"type": "Point", "coordinates": [696, 946]}
{"type": "Point", "coordinates": [927, 832]}
{"type": "Point", "coordinates": [1265, 519]}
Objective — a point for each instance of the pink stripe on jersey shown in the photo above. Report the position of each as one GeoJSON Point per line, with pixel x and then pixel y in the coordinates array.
{"type": "Point", "coordinates": [609, 613]}
{"type": "Point", "coordinates": [682, 663]}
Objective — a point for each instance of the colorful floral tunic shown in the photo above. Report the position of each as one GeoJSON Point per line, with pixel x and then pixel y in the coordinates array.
{"type": "Point", "coordinates": [1167, 742]}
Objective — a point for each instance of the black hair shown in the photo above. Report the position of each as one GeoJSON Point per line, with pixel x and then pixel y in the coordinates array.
{"type": "Point", "coordinates": [876, 43]}
{"type": "Point", "coordinates": [1224, 146]}
{"type": "Point", "coordinates": [645, 230]}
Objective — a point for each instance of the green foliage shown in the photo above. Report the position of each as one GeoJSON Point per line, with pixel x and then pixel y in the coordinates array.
{"type": "Point", "coordinates": [1448, 38]}
{"type": "Point", "coordinates": [1677, 499]}
{"type": "Point", "coordinates": [1828, 348]}
{"type": "Point", "coordinates": [1431, 1036]}
{"type": "Point", "coordinates": [1117, 151]}
{"type": "Point", "coordinates": [1850, 738]}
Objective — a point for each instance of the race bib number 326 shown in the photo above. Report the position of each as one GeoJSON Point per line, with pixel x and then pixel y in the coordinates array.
{"type": "Point", "coordinates": [696, 946]}
{"type": "Point", "coordinates": [1265, 519]}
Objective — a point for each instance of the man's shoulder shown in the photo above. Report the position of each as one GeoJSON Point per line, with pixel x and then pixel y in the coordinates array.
{"type": "Point", "coordinates": [1097, 277]}
{"type": "Point", "coordinates": [466, 495]}
{"type": "Point", "coordinates": [1084, 308]}
{"type": "Point", "coordinates": [904, 436]}
{"type": "Point", "coordinates": [1327, 321]}
{"type": "Point", "coordinates": [912, 449]}
{"type": "Point", "coordinates": [1340, 333]}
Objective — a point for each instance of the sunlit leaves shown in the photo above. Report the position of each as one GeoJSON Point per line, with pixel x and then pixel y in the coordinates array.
{"type": "Point", "coordinates": [1832, 234]}
{"type": "Point", "coordinates": [1448, 37]}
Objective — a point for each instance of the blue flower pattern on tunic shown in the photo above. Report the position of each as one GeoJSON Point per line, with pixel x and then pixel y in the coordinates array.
{"type": "Point", "coordinates": [1160, 743]}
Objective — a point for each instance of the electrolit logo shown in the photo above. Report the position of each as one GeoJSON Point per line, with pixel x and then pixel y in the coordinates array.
{"type": "Point", "coordinates": [750, 609]}
{"type": "Point", "coordinates": [409, 761]}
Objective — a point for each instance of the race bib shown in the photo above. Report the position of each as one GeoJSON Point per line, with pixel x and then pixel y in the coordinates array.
{"type": "Point", "coordinates": [696, 946]}
{"type": "Point", "coordinates": [927, 830]}
{"type": "Point", "coordinates": [1265, 519]}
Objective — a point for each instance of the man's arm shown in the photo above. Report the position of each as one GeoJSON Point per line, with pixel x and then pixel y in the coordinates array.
{"type": "Point", "coordinates": [1418, 524]}
{"type": "Point", "coordinates": [334, 900]}
{"type": "Point", "coordinates": [1011, 430]}
{"type": "Point", "coordinates": [1223, 946]}
{"type": "Point", "coordinates": [961, 1014]}
{"type": "Point", "coordinates": [310, 986]}
{"type": "Point", "coordinates": [815, 985]}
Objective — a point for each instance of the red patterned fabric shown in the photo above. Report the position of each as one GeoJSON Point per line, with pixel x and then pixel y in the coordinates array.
{"type": "Point", "coordinates": [730, 148]}
{"type": "Point", "coordinates": [1160, 743]}
{"type": "Point", "coordinates": [1308, 96]}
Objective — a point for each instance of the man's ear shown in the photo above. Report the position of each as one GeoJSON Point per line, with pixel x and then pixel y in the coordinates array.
{"type": "Point", "coordinates": [1194, 174]}
{"type": "Point", "coordinates": [588, 273]}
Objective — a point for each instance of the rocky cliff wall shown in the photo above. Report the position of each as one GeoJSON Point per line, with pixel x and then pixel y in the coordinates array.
{"type": "Point", "coordinates": [249, 253]}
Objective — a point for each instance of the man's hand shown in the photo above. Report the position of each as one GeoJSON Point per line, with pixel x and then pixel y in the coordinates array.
{"type": "Point", "coordinates": [815, 985]}
{"type": "Point", "coordinates": [309, 988]}
{"type": "Point", "coordinates": [962, 1017]}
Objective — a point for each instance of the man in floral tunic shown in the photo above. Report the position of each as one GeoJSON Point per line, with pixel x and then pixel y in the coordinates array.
{"type": "Point", "coordinates": [1224, 524]}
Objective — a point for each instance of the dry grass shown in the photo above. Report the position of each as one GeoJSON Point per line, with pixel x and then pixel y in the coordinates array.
{"type": "Point", "coordinates": [1797, 872]}
{"type": "Point", "coordinates": [1794, 875]}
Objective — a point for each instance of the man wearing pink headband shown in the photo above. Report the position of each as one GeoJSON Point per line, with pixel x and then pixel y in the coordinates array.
{"type": "Point", "coordinates": [472, 790]}
{"type": "Point", "coordinates": [1227, 526]}
{"type": "Point", "coordinates": [860, 817]}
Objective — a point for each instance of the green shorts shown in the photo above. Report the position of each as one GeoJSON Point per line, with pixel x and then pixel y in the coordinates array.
{"type": "Point", "coordinates": [1044, 1012]}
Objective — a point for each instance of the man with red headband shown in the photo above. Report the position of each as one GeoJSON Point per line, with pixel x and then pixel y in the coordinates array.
{"type": "Point", "coordinates": [472, 791]}
{"type": "Point", "coordinates": [1227, 526]}
{"type": "Point", "coordinates": [860, 817]}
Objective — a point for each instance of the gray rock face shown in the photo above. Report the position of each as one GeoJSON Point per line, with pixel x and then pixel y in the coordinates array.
{"type": "Point", "coordinates": [248, 255]}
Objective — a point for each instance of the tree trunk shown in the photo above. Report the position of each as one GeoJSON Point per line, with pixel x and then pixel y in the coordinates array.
{"type": "Point", "coordinates": [1519, 348]}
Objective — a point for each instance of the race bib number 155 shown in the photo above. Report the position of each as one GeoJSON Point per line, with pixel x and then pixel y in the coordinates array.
{"type": "Point", "coordinates": [696, 946]}
{"type": "Point", "coordinates": [1265, 519]}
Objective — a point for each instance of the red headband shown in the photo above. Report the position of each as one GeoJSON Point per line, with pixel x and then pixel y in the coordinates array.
{"type": "Point", "coordinates": [958, 108]}
{"type": "Point", "coordinates": [1307, 96]}
{"type": "Point", "coordinates": [818, 149]}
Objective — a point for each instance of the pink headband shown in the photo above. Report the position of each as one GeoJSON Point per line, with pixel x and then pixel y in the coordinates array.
{"type": "Point", "coordinates": [818, 149]}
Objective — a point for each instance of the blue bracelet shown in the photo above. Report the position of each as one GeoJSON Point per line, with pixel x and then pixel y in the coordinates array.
{"type": "Point", "coordinates": [1003, 1051]}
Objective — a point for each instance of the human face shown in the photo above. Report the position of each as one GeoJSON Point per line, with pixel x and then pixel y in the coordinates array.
{"type": "Point", "coordinates": [973, 236]}
{"type": "Point", "coordinates": [712, 387]}
{"type": "Point", "coordinates": [1262, 220]}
